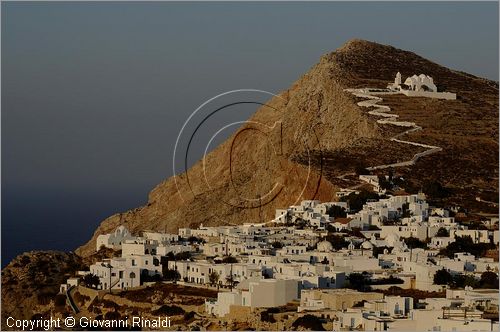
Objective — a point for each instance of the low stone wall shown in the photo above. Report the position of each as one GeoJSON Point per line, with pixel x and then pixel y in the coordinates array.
{"type": "Point", "coordinates": [92, 293]}
{"type": "Point", "coordinates": [385, 287]}
{"type": "Point", "coordinates": [429, 94]}
{"type": "Point", "coordinates": [121, 301]}
{"type": "Point", "coordinates": [238, 312]}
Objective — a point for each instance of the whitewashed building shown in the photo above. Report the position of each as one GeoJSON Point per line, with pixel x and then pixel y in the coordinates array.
{"type": "Point", "coordinates": [113, 240]}
{"type": "Point", "coordinates": [255, 293]}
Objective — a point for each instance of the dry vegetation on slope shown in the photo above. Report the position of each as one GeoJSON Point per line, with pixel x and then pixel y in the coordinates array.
{"type": "Point", "coordinates": [466, 128]}
{"type": "Point", "coordinates": [31, 281]}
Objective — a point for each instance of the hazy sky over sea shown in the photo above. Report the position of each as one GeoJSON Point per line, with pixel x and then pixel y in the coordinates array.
{"type": "Point", "coordinates": [94, 94]}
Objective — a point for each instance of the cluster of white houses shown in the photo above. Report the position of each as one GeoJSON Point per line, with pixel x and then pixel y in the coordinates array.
{"type": "Point", "coordinates": [455, 312]}
{"type": "Point", "coordinates": [278, 262]}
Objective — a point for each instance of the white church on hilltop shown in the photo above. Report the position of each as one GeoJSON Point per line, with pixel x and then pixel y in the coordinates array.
{"type": "Point", "coordinates": [419, 86]}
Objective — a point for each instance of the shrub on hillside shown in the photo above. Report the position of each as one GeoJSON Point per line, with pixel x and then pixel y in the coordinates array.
{"type": "Point", "coordinates": [309, 322]}
{"type": "Point", "coordinates": [168, 310]}
{"type": "Point", "coordinates": [60, 300]}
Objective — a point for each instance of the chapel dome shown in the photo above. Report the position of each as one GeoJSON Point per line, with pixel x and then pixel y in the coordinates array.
{"type": "Point", "coordinates": [367, 245]}
{"type": "Point", "coordinates": [324, 246]}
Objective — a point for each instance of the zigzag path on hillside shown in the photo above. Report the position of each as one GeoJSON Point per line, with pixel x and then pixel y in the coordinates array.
{"type": "Point", "coordinates": [390, 118]}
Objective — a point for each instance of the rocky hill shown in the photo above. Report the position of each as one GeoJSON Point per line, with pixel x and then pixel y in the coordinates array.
{"type": "Point", "coordinates": [32, 280]}
{"type": "Point", "coordinates": [246, 181]}
{"type": "Point", "coordinates": [315, 114]}
{"type": "Point", "coordinates": [466, 129]}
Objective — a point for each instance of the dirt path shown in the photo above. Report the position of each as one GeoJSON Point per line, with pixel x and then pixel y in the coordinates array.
{"type": "Point", "coordinates": [70, 301]}
{"type": "Point", "coordinates": [391, 119]}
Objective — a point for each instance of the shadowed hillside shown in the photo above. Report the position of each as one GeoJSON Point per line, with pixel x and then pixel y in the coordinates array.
{"type": "Point", "coordinates": [314, 114]}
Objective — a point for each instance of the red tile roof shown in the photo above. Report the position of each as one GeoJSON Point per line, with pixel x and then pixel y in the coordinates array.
{"type": "Point", "coordinates": [343, 220]}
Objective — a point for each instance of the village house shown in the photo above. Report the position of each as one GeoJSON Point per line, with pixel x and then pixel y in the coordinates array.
{"type": "Point", "coordinates": [282, 215]}
{"type": "Point", "coordinates": [341, 224]}
{"type": "Point", "coordinates": [161, 238]}
{"type": "Point", "coordinates": [333, 299]}
{"type": "Point", "coordinates": [139, 246]}
{"type": "Point", "coordinates": [291, 250]}
{"type": "Point", "coordinates": [343, 192]}
{"type": "Point", "coordinates": [115, 273]}
{"type": "Point", "coordinates": [396, 306]}
{"type": "Point", "coordinates": [164, 250]}
{"type": "Point", "coordinates": [226, 248]}
{"type": "Point", "coordinates": [254, 293]}
{"type": "Point", "coordinates": [424, 275]}
{"type": "Point", "coordinates": [70, 283]}
{"type": "Point", "coordinates": [282, 261]}
{"type": "Point", "coordinates": [478, 236]}
{"type": "Point", "coordinates": [113, 240]}
{"type": "Point", "coordinates": [466, 262]}
{"type": "Point", "coordinates": [440, 221]}
{"type": "Point", "coordinates": [199, 271]}
{"type": "Point", "coordinates": [440, 242]}
{"type": "Point", "coordinates": [443, 319]}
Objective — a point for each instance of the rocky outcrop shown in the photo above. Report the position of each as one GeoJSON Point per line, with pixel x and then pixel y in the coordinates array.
{"type": "Point", "coordinates": [31, 281]}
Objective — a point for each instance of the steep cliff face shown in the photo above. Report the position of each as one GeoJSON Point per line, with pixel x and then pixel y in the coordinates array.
{"type": "Point", "coordinates": [251, 174]}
